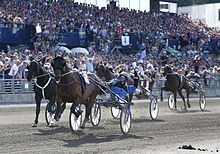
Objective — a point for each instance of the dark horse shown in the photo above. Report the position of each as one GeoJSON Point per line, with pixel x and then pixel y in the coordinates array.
{"type": "Point", "coordinates": [44, 87]}
{"type": "Point", "coordinates": [72, 88]}
{"type": "Point", "coordinates": [104, 72]}
{"type": "Point", "coordinates": [175, 83]}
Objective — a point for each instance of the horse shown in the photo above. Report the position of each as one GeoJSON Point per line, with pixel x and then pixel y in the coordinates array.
{"type": "Point", "coordinates": [71, 87]}
{"type": "Point", "coordinates": [175, 83]}
{"type": "Point", "coordinates": [104, 72]}
{"type": "Point", "coordinates": [44, 87]}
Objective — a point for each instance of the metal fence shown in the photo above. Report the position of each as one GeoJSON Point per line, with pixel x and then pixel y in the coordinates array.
{"type": "Point", "coordinates": [15, 86]}
{"type": "Point", "coordinates": [21, 91]}
{"type": "Point", "coordinates": [16, 91]}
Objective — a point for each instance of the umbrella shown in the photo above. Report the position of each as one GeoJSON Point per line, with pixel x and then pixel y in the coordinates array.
{"type": "Point", "coordinates": [172, 51]}
{"type": "Point", "coordinates": [80, 50]}
{"type": "Point", "coordinates": [61, 48]}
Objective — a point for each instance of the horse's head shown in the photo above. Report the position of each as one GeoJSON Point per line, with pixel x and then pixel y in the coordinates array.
{"type": "Point", "coordinates": [100, 71]}
{"type": "Point", "coordinates": [104, 72]}
{"type": "Point", "coordinates": [33, 70]}
{"type": "Point", "coordinates": [59, 67]}
{"type": "Point", "coordinates": [167, 70]}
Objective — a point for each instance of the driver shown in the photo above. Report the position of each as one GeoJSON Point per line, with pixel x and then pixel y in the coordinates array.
{"type": "Point", "coordinates": [121, 82]}
{"type": "Point", "coordinates": [196, 79]}
{"type": "Point", "coordinates": [124, 85]}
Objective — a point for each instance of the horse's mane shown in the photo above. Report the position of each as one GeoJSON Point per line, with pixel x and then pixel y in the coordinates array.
{"type": "Point", "coordinates": [94, 76]}
{"type": "Point", "coordinates": [62, 59]}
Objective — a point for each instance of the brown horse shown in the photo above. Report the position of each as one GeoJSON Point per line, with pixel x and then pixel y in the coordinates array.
{"type": "Point", "coordinates": [176, 83]}
{"type": "Point", "coordinates": [73, 89]}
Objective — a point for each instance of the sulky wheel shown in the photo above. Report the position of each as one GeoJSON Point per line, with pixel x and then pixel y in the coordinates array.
{"type": "Point", "coordinates": [95, 115]}
{"type": "Point", "coordinates": [49, 116]}
{"type": "Point", "coordinates": [154, 108]}
{"type": "Point", "coordinates": [202, 102]}
{"type": "Point", "coordinates": [115, 111]}
{"type": "Point", "coordinates": [125, 121]}
{"type": "Point", "coordinates": [171, 101]}
{"type": "Point", "coordinates": [75, 122]}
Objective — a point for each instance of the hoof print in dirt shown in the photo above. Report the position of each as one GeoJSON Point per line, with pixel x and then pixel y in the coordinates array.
{"type": "Point", "coordinates": [188, 147]}
{"type": "Point", "coordinates": [199, 149]}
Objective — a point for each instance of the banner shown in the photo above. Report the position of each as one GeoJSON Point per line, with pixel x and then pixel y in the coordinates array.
{"type": "Point", "coordinates": [14, 34]}
{"type": "Point", "coordinates": [125, 40]}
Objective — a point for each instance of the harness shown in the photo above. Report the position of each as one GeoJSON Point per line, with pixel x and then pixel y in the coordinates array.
{"type": "Point", "coordinates": [45, 86]}
{"type": "Point", "coordinates": [82, 81]}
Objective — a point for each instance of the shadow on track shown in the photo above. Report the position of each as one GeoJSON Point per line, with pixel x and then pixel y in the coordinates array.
{"type": "Point", "coordinates": [90, 138]}
{"type": "Point", "coordinates": [190, 111]}
{"type": "Point", "coordinates": [138, 120]}
{"type": "Point", "coordinates": [55, 130]}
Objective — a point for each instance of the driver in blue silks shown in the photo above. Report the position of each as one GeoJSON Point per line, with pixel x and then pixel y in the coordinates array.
{"type": "Point", "coordinates": [123, 85]}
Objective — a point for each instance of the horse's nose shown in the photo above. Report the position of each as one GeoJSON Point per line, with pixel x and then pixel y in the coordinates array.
{"type": "Point", "coordinates": [57, 78]}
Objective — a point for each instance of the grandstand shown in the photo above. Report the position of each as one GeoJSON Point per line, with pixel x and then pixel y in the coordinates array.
{"type": "Point", "coordinates": [146, 37]}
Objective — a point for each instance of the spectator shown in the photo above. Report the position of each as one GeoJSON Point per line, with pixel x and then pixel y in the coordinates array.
{"type": "Point", "coordinates": [197, 64]}
{"type": "Point", "coordinates": [21, 70]}
{"type": "Point", "coordinates": [13, 73]}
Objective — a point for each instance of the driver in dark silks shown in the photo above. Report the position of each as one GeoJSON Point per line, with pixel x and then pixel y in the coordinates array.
{"type": "Point", "coordinates": [195, 80]}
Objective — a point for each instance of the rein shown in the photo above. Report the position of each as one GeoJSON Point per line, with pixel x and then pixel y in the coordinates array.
{"type": "Point", "coordinates": [66, 84]}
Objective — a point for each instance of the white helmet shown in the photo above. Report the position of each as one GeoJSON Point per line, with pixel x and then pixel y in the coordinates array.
{"type": "Point", "coordinates": [197, 75]}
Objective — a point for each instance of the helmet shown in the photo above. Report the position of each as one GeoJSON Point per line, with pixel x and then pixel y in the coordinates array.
{"type": "Point", "coordinates": [197, 75]}
{"type": "Point", "coordinates": [122, 77]}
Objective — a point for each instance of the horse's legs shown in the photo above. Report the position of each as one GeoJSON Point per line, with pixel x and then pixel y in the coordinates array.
{"type": "Point", "coordinates": [175, 94]}
{"type": "Point", "coordinates": [63, 107]}
{"type": "Point", "coordinates": [73, 110]}
{"type": "Point", "coordinates": [50, 104]}
{"type": "Point", "coordinates": [181, 95]}
{"type": "Point", "coordinates": [38, 103]}
{"type": "Point", "coordinates": [161, 94]}
{"type": "Point", "coordinates": [187, 95]}
{"type": "Point", "coordinates": [88, 113]}
{"type": "Point", "coordinates": [57, 113]}
{"type": "Point", "coordinates": [89, 106]}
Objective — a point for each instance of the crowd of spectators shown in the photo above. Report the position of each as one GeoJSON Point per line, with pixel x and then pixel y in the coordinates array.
{"type": "Point", "coordinates": [103, 26]}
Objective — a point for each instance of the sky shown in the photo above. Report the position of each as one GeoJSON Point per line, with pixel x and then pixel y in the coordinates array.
{"type": "Point", "coordinates": [134, 4]}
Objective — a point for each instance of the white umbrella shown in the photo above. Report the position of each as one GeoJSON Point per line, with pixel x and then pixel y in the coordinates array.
{"type": "Point", "coordinates": [80, 50]}
{"type": "Point", "coordinates": [62, 48]}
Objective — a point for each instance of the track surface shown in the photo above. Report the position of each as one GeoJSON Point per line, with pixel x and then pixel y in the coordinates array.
{"type": "Point", "coordinates": [172, 130]}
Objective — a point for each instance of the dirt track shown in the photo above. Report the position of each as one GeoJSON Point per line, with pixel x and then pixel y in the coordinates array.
{"type": "Point", "coordinates": [166, 135]}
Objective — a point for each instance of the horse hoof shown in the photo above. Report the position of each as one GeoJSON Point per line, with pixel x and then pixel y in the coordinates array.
{"type": "Point", "coordinates": [184, 109]}
{"type": "Point", "coordinates": [189, 106]}
{"type": "Point", "coordinates": [82, 127]}
{"type": "Point", "coordinates": [34, 125]}
{"type": "Point", "coordinates": [53, 123]}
